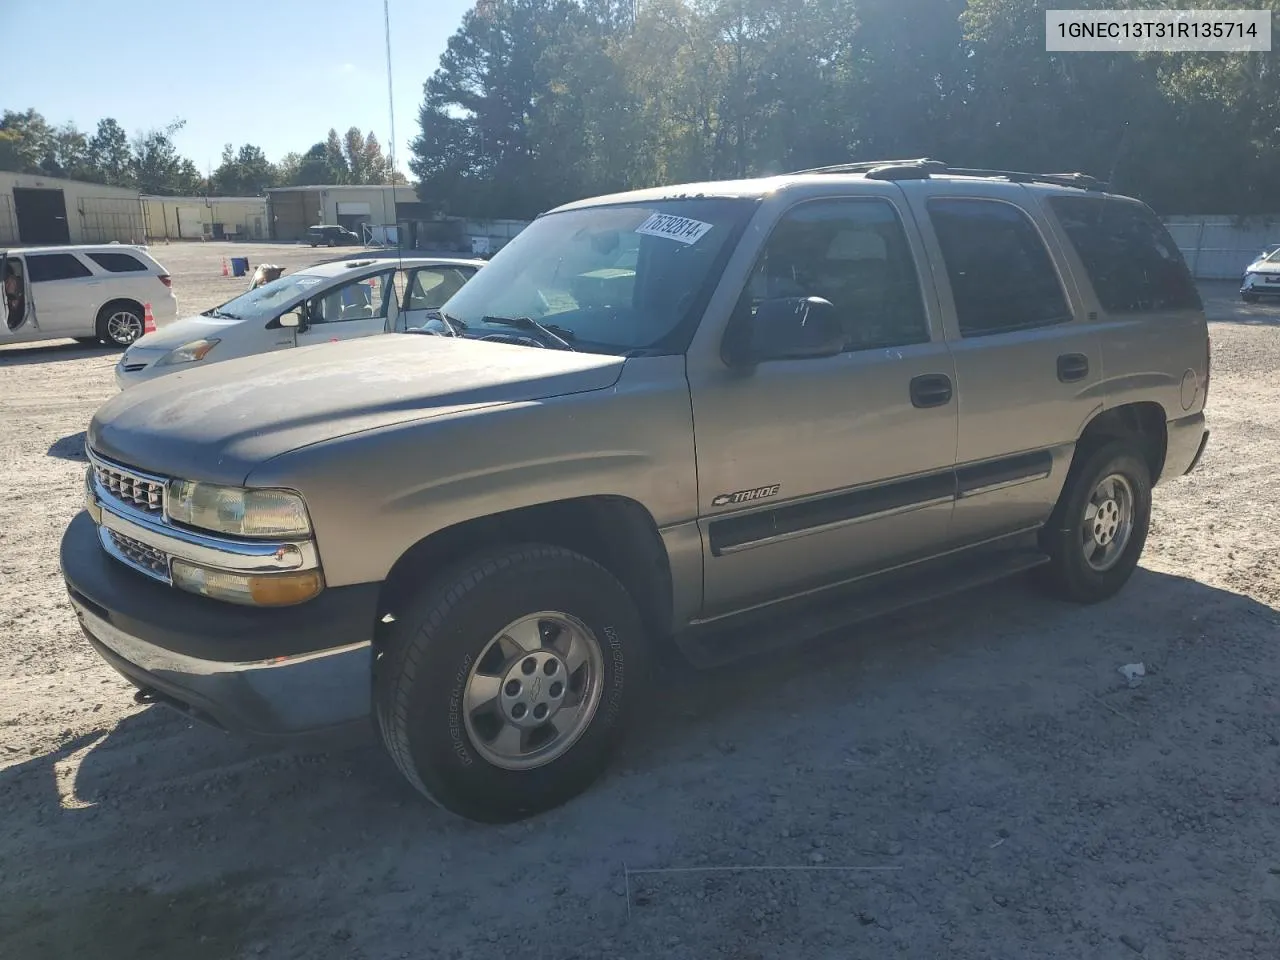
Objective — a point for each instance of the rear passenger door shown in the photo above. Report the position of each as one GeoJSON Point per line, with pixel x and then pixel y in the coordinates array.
{"type": "Point", "coordinates": [1027, 355]}
{"type": "Point", "coordinates": [1153, 328]}
{"type": "Point", "coordinates": [65, 293]}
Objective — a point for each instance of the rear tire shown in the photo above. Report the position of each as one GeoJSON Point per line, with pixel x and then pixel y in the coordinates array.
{"type": "Point", "coordinates": [1099, 527]}
{"type": "Point", "coordinates": [468, 712]}
{"type": "Point", "coordinates": [119, 324]}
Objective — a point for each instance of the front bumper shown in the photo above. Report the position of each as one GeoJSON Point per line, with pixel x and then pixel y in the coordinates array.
{"type": "Point", "coordinates": [145, 367]}
{"type": "Point", "coordinates": [272, 672]}
{"type": "Point", "coordinates": [1257, 284]}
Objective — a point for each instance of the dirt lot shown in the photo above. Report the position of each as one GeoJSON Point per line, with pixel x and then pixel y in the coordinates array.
{"type": "Point", "coordinates": [974, 781]}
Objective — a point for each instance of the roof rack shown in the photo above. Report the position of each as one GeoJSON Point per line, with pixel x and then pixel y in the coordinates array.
{"type": "Point", "coordinates": [924, 168]}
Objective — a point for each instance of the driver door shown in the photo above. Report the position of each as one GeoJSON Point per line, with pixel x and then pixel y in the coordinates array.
{"type": "Point", "coordinates": [357, 308]}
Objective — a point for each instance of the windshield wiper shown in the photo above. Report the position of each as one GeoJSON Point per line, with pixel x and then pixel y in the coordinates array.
{"type": "Point", "coordinates": [553, 333]}
{"type": "Point", "coordinates": [452, 324]}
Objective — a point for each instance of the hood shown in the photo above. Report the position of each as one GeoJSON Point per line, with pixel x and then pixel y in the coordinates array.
{"type": "Point", "coordinates": [182, 331]}
{"type": "Point", "coordinates": [218, 422]}
{"type": "Point", "coordinates": [1262, 266]}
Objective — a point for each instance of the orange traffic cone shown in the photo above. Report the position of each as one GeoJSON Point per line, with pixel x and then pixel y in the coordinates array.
{"type": "Point", "coordinates": [225, 272]}
{"type": "Point", "coordinates": [148, 320]}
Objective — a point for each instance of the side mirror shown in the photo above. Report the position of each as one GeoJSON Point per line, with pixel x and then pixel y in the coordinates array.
{"type": "Point", "coordinates": [787, 328]}
{"type": "Point", "coordinates": [294, 319]}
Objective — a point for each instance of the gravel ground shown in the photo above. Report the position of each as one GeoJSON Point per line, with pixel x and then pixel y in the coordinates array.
{"type": "Point", "coordinates": [974, 781]}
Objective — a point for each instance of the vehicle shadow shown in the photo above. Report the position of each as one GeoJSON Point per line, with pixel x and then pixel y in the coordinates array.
{"type": "Point", "coordinates": [69, 448]}
{"type": "Point", "coordinates": [886, 728]}
{"type": "Point", "coordinates": [53, 352]}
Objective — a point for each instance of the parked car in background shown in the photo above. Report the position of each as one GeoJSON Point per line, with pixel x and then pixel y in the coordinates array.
{"type": "Point", "coordinates": [1262, 277]}
{"type": "Point", "coordinates": [331, 235]}
{"type": "Point", "coordinates": [341, 300]}
{"type": "Point", "coordinates": [89, 293]}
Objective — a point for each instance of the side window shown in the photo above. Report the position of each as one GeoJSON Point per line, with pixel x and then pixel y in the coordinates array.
{"type": "Point", "coordinates": [118, 262]}
{"type": "Point", "coordinates": [42, 267]}
{"type": "Point", "coordinates": [853, 253]}
{"type": "Point", "coordinates": [1131, 260]}
{"type": "Point", "coordinates": [1002, 277]}
{"type": "Point", "coordinates": [432, 286]}
{"type": "Point", "coordinates": [364, 299]}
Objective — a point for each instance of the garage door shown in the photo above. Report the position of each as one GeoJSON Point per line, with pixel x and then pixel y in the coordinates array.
{"type": "Point", "coordinates": [42, 216]}
{"type": "Point", "coordinates": [351, 214]}
{"type": "Point", "coordinates": [289, 220]}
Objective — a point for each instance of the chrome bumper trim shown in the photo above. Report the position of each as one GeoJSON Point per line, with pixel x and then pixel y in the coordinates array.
{"type": "Point", "coordinates": [238, 556]}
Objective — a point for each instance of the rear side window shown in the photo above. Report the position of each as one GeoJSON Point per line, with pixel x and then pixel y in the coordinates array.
{"type": "Point", "coordinates": [118, 262]}
{"type": "Point", "coordinates": [432, 286]}
{"type": "Point", "coordinates": [1131, 260]}
{"type": "Point", "coordinates": [42, 267]}
{"type": "Point", "coordinates": [1002, 277]}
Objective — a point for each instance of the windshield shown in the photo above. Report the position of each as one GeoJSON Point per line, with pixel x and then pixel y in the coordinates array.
{"type": "Point", "coordinates": [266, 301]}
{"type": "Point", "coordinates": [622, 278]}
{"type": "Point", "coordinates": [1273, 256]}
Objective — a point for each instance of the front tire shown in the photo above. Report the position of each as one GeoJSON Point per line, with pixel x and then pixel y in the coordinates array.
{"type": "Point", "coordinates": [504, 687]}
{"type": "Point", "coordinates": [1249, 297]}
{"type": "Point", "coordinates": [1099, 527]}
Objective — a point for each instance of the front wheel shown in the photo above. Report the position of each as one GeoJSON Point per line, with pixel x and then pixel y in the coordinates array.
{"type": "Point", "coordinates": [1098, 529]}
{"type": "Point", "coordinates": [1249, 297]}
{"type": "Point", "coordinates": [504, 686]}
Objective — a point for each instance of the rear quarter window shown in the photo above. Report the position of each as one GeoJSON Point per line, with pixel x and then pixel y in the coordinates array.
{"type": "Point", "coordinates": [1129, 256]}
{"type": "Point", "coordinates": [118, 262]}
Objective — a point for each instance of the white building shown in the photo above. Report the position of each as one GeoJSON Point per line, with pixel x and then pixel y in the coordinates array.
{"type": "Point", "coordinates": [294, 209]}
{"type": "Point", "coordinates": [36, 210]}
{"type": "Point", "coordinates": [206, 218]}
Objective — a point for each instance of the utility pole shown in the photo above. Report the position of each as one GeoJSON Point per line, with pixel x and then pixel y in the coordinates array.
{"type": "Point", "coordinates": [391, 103]}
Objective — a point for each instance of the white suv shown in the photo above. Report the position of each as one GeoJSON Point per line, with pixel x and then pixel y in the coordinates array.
{"type": "Point", "coordinates": [88, 293]}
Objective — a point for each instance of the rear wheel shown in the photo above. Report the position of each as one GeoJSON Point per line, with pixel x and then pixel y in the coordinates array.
{"type": "Point", "coordinates": [1098, 529]}
{"type": "Point", "coordinates": [119, 324]}
{"type": "Point", "coordinates": [504, 686]}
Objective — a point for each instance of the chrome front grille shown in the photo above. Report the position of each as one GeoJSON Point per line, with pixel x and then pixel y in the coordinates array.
{"type": "Point", "coordinates": [136, 490]}
{"type": "Point", "coordinates": [145, 558]}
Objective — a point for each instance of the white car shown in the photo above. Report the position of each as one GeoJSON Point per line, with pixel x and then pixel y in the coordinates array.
{"type": "Point", "coordinates": [89, 293]}
{"type": "Point", "coordinates": [1262, 277]}
{"type": "Point", "coordinates": [340, 300]}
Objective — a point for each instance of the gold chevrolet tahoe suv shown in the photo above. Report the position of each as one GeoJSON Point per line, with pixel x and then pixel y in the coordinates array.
{"type": "Point", "coordinates": [727, 414]}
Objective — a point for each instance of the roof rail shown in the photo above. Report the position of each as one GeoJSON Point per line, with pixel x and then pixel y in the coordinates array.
{"type": "Point", "coordinates": [924, 168]}
{"type": "Point", "coordinates": [865, 165]}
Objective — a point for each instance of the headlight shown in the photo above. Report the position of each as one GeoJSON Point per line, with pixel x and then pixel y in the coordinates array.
{"type": "Point", "coordinates": [237, 511]}
{"type": "Point", "coordinates": [258, 590]}
{"type": "Point", "coordinates": [188, 352]}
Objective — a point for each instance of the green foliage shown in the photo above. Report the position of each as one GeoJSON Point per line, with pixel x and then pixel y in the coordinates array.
{"type": "Point", "coordinates": [537, 102]}
{"type": "Point", "coordinates": [150, 161]}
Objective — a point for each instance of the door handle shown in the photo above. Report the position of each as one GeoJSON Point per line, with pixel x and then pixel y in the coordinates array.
{"type": "Point", "coordinates": [930, 390]}
{"type": "Point", "coordinates": [1072, 367]}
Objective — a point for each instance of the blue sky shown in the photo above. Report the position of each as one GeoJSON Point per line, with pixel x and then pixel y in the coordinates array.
{"type": "Point", "coordinates": [277, 73]}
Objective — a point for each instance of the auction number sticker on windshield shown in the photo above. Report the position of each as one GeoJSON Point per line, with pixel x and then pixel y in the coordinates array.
{"type": "Point", "coordinates": [674, 228]}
